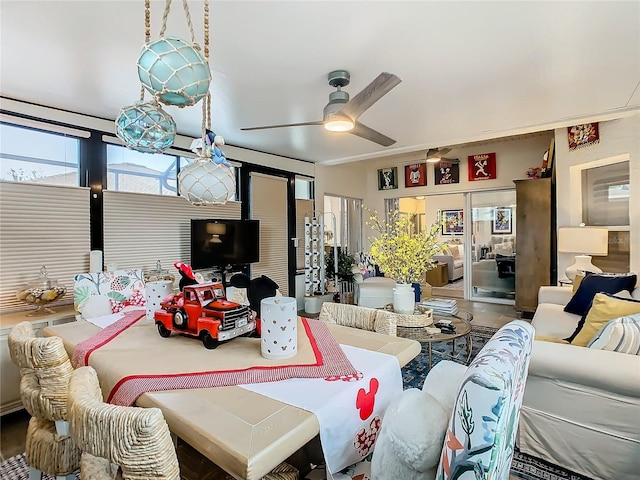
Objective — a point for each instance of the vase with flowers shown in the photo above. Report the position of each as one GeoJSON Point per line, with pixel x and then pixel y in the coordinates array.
{"type": "Point", "coordinates": [403, 253]}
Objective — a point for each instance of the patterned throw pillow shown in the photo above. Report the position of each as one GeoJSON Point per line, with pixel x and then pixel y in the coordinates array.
{"type": "Point", "coordinates": [598, 283]}
{"type": "Point", "coordinates": [123, 287]}
{"type": "Point", "coordinates": [619, 335]}
{"type": "Point", "coordinates": [604, 308]}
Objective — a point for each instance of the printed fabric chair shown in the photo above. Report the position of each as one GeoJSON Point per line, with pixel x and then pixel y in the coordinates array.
{"type": "Point", "coordinates": [465, 418]}
{"type": "Point", "coordinates": [135, 439]}
{"type": "Point", "coordinates": [45, 370]}
{"type": "Point", "coordinates": [364, 318]}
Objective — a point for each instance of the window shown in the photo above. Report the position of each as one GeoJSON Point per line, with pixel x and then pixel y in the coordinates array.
{"type": "Point", "coordinates": [136, 172]}
{"type": "Point", "coordinates": [38, 157]}
{"type": "Point", "coordinates": [605, 195]}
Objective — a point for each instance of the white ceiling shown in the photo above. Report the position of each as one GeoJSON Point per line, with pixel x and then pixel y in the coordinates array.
{"type": "Point", "coordinates": [470, 70]}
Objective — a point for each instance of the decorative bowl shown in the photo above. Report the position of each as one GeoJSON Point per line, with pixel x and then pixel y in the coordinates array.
{"type": "Point", "coordinates": [41, 292]}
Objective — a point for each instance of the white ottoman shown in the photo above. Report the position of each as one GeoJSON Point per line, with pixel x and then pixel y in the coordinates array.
{"type": "Point", "coordinates": [375, 292]}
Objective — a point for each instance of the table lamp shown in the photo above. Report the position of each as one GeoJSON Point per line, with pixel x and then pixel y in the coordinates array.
{"type": "Point", "coordinates": [585, 241]}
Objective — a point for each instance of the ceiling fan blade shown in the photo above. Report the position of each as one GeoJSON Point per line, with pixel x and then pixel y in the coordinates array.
{"type": "Point", "coordinates": [370, 134]}
{"type": "Point", "coordinates": [370, 95]}
{"type": "Point", "coordinates": [319, 122]}
{"type": "Point", "coordinates": [437, 152]}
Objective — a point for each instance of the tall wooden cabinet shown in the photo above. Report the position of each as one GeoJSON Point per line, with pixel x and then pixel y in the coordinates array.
{"type": "Point", "coordinates": [535, 247]}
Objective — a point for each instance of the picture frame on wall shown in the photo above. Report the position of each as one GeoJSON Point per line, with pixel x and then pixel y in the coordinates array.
{"type": "Point", "coordinates": [482, 166]}
{"type": "Point", "coordinates": [415, 175]}
{"type": "Point", "coordinates": [502, 220]}
{"type": "Point", "coordinates": [447, 171]}
{"type": "Point", "coordinates": [388, 178]}
{"type": "Point", "coordinates": [452, 222]}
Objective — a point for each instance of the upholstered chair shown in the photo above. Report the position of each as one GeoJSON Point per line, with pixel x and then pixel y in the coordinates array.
{"type": "Point", "coordinates": [465, 432]}
{"type": "Point", "coordinates": [372, 319]}
{"type": "Point", "coordinates": [135, 439]}
{"type": "Point", "coordinates": [45, 370]}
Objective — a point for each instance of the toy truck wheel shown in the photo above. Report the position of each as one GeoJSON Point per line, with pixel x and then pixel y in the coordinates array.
{"type": "Point", "coordinates": [163, 331]}
{"type": "Point", "coordinates": [208, 341]}
{"type": "Point", "coordinates": [179, 319]}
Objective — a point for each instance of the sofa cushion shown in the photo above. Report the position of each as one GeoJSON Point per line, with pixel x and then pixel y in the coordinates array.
{"type": "Point", "coordinates": [620, 335]}
{"type": "Point", "coordinates": [550, 320]}
{"type": "Point", "coordinates": [505, 249]}
{"type": "Point", "coordinates": [595, 283]}
{"type": "Point", "coordinates": [455, 252]}
{"type": "Point", "coordinates": [605, 307]}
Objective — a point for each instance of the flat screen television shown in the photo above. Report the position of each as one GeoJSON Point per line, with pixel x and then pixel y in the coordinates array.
{"type": "Point", "coordinates": [220, 242]}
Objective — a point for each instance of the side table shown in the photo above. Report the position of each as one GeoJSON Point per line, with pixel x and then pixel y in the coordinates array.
{"type": "Point", "coordinates": [438, 276]}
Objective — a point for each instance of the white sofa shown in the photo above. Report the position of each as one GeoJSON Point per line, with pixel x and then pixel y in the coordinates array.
{"type": "Point", "coordinates": [374, 292]}
{"type": "Point", "coordinates": [581, 406]}
{"type": "Point", "coordinates": [454, 258]}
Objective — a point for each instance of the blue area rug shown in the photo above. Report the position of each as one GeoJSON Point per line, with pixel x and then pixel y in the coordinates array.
{"type": "Point", "coordinates": [414, 373]}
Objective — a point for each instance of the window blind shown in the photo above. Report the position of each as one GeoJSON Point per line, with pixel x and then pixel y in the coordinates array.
{"type": "Point", "coordinates": [41, 225]}
{"type": "Point", "coordinates": [140, 229]}
{"type": "Point", "coordinates": [269, 205]}
{"type": "Point", "coordinates": [606, 195]}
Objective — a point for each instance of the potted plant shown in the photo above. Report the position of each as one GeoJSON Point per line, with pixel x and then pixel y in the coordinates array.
{"type": "Point", "coordinates": [344, 281]}
{"type": "Point", "coordinates": [403, 254]}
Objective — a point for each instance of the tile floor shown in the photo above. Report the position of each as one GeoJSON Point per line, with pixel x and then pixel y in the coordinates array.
{"type": "Point", "coordinates": [13, 426]}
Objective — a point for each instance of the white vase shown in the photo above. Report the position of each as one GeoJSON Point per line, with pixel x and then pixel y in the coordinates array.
{"type": "Point", "coordinates": [403, 298]}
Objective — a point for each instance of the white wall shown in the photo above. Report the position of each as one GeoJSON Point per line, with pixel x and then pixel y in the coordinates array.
{"type": "Point", "coordinates": [618, 138]}
{"type": "Point", "coordinates": [360, 179]}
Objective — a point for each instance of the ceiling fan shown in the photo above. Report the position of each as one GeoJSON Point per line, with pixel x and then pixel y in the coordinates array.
{"type": "Point", "coordinates": [341, 115]}
{"type": "Point", "coordinates": [436, 154]}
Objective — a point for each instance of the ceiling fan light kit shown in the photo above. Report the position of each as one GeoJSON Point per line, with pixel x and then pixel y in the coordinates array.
{"type": "Point", "coordinates": [341, 114]}
{"type": "Point", "coordinates": [434, 155]}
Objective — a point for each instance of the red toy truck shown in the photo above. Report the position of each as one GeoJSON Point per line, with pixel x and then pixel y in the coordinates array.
{"type": "Point", "coordinates": [202, 311]}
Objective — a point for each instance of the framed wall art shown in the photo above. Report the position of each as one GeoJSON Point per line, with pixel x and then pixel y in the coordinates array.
{"type": "Point", "coordinates": [583, 135]}
{"type": "Point", "coordinates": [501, 220]}
{"type": "Point", "coordinates": [452, 222]}
{"type": "Point", "coordinates": [415, 175]}
{"type": "Point", "coordinates": [447, 171]}
{"type": "Point", "coordinates": [388, 178]}
{"type": "Point", "coordinates": [482, 166]}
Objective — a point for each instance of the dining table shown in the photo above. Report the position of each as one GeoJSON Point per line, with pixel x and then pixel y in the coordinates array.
{"type": "Point", "coordinates": [243, 432]}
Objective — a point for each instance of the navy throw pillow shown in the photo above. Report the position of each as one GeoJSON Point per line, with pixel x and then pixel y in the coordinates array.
{"type": "Point", "coordinates": [595, 283]}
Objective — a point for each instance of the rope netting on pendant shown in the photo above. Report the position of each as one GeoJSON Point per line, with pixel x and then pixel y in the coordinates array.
{"type": "Point", "coordinates": [145, 126]}
{"type": "Point", "coordinates": [210, 178]}
{"type": "Point", "coordinates": [173, 70]}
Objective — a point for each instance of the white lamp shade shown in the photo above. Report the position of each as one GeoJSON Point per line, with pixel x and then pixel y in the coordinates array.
{"type": "Point", "coordinates": [583, 240]}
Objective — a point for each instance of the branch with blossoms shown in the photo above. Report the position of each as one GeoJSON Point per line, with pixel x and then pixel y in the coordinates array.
{"type": "Point", "coordinates": [402, 254]}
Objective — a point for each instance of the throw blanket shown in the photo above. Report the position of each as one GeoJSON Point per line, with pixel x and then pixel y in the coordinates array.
{"type": "Point", "coordinates": [349, 408]}
{"type": "Point", "coordinates": [131, 358]}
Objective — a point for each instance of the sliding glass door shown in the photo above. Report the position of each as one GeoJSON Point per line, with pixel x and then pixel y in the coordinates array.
{"type": "Point", "coordinates": [493, 246]}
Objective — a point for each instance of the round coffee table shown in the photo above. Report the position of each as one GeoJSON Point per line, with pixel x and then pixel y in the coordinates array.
{"type": "Point", "coordinates": [462, 323]}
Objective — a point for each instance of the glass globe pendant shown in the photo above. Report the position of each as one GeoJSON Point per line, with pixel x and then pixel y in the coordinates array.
{"type": "Point", "coordinates": [205, 182]}
{"type": "Point", "coordinates": [146, 127]}
{"type": "Point", "coordinates": [174, 71]}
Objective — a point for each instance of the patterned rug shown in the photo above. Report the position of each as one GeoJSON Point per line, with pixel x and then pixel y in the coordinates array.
{"type": "Point", "coordinates": [414, 373]}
